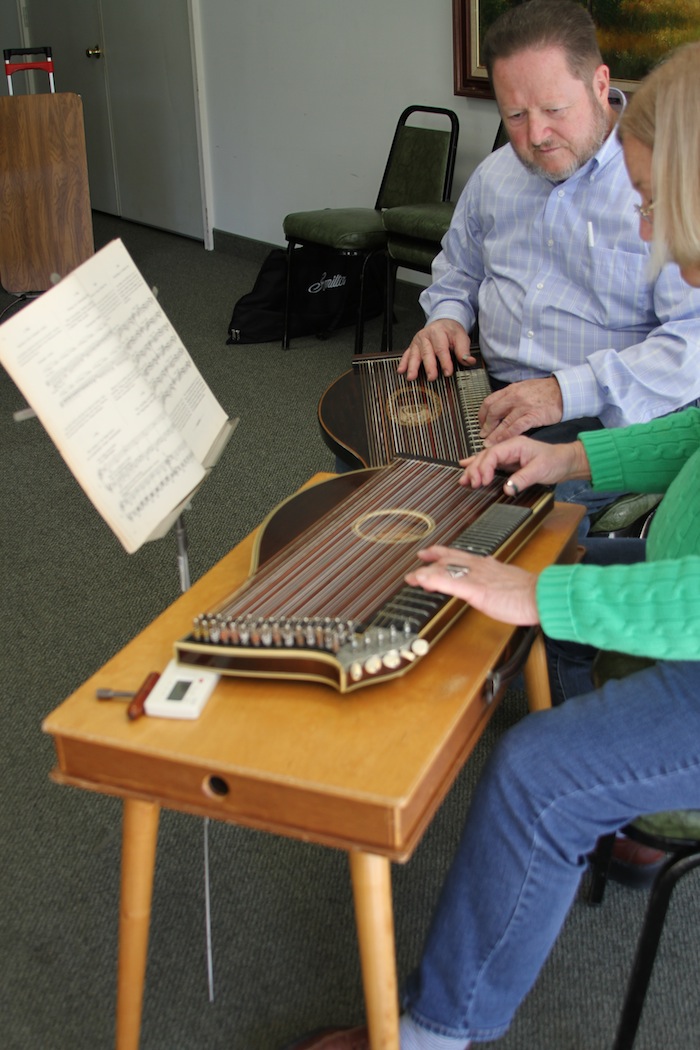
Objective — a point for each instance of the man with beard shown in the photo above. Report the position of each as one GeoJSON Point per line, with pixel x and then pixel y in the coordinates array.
{"type": "Point", "coordinates": [544, 251]}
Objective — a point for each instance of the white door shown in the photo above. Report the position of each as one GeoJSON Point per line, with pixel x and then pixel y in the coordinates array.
{"type": "Point", "coordinates": [131, 63]}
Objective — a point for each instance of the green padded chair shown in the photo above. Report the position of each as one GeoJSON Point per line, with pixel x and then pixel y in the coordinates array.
{"type": "Point", "coordinates": [419, 168]}
{"type": "Point", "coordinates": [414, 235]}
{"type": "Point", "coordinates": [629, 515]}
{"type": "Point", "coordinates": [676, 833]}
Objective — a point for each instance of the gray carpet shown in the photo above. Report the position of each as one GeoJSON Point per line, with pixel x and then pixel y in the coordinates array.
{"type": "Point", "coordinates": [284, 944]}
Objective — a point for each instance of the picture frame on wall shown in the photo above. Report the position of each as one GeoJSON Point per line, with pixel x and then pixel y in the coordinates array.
{"type": "Point", "coordinates": [633, 37]}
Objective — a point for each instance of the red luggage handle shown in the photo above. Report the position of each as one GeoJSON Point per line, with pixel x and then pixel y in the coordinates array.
{"type": "Point", "coordinates": [15, 67]}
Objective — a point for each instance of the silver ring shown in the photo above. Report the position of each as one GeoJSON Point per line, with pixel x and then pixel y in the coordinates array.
{"type": "Point", "coordinates": [456, 571]}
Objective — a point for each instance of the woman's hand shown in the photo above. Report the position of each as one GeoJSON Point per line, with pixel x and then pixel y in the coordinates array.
{"type": "Point", "coordinates": [534, 462]}
{"type": "Point", "coordinates": [503, 592]}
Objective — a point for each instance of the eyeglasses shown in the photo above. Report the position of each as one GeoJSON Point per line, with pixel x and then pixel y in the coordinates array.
{"type": "Point", "coordinates": [645, 211]}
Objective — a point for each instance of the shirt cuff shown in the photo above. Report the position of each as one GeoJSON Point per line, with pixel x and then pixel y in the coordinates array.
{"type": "Point", "coordinates": [580, 393]}
{"type": "Point", "coordinates": [603, 459]}
{"type": "Point", "coordinates": [553, 607]}
{"type": "Point", "coordinates": [448, 311]}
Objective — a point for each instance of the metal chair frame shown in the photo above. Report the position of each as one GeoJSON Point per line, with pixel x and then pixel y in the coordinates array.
{"type": "Point", "coordinates": [684, 857]}
{"type": "Point", "coordinates": [378, 206]}
{"type": "Point", "coordinates": [393, 264]}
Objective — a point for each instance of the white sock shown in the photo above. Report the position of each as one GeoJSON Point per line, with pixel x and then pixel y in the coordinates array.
{"type": "Point", "coordinates": [413, 1037]}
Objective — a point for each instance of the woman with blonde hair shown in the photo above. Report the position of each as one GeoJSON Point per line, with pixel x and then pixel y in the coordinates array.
{"type": "Point", "coordinates": [562, 778]}
{"type": "Point", "coordinates": [663, 119]}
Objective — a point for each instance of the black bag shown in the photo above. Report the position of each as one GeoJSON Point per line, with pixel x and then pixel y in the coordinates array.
{"type": "Point", "coordinates": [325, 295]}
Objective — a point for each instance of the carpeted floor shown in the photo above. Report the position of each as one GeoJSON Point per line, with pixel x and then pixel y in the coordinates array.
{"type": "Point", "coordinates": [284, 944]}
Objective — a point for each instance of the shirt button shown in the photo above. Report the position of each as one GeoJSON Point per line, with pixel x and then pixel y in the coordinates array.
{"type": "Point", "coordinates": [550, 243]}
{"type": "Point", "coordinates": [560, 193]}
{"type": "Point", "coordinates": [540, 286]}
{"type": "Point", "coordinates": [531, 335]}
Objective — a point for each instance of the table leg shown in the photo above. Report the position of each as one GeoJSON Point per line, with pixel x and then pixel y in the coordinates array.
{"type": "Point", "coordinates": [371, 883]}
{"type": "Point", "coordinates": [139, 838]}
{"type": "Point", "coordinates": [536, 676]}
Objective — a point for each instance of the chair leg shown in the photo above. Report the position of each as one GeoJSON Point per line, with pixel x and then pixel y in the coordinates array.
{"type": "Point", "coordinates": [360, 324]}
{"type": "Point", "coordinates": [600, 865]}
{"type": "Point", "coordinates": [388, 331]}
{"type": "Point", "coordinates": [673, 870]}
{"type": "Point", "coordinates": [288, 297]}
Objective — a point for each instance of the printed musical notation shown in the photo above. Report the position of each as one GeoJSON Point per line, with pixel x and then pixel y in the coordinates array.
{"type": "Point", "coordinates": [108, 376]}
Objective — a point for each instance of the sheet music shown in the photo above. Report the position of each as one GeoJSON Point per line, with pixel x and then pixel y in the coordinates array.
{"type": "Point", "coordinates": [147, 336]}
{"type": "Point", "coordinates": [107, 375]}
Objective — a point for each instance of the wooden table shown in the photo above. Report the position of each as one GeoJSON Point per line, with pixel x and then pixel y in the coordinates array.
{"type": "Point", "coordinates": [364, 772]}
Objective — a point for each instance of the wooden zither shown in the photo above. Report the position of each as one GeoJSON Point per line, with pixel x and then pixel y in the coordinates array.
{"type": "Point", "coordinates": [372, 414]}
{"type": "Point", "coordinates": [331, 604]}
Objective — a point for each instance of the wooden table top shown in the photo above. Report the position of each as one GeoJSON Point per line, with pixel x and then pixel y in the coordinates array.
{"type": "Point", "coordinates": [365, 770]}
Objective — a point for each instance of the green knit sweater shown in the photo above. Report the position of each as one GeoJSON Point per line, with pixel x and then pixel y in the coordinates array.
{"type": "Point", "coordinates": [651, 608]}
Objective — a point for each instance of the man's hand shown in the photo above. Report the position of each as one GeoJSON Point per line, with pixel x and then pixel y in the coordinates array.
{"type": "Point", "coordinates": [504, 592]}
{"type": "Point", "coordinates": [534, 462]}
{"type": "Point", "coordinates": [519, 407]}
{"type": "Point", "coordinates": [433, 347]}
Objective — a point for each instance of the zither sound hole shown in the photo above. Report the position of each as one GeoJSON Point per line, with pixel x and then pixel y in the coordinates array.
{"type": "Point", "coordinates": [394, 525]}
{"type": "Point", "coordinates": [415, 407]}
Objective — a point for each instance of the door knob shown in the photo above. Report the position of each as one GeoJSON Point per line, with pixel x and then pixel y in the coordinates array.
{"type": "Point", "coordinates": [94, 52]}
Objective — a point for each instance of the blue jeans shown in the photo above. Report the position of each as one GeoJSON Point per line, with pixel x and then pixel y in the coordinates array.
{"type": "Point", "coordinates": [553, 785]}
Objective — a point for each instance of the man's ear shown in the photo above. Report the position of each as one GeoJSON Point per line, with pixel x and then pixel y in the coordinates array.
{"type": "Point", "coordinates": [601, 83]}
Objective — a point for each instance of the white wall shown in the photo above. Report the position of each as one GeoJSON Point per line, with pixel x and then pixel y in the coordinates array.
{"type": "Point", "coordinates": [302, 96]}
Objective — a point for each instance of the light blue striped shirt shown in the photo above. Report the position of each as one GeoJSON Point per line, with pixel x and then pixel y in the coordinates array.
{"type": "Point", "coordinates": [558, 276]}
